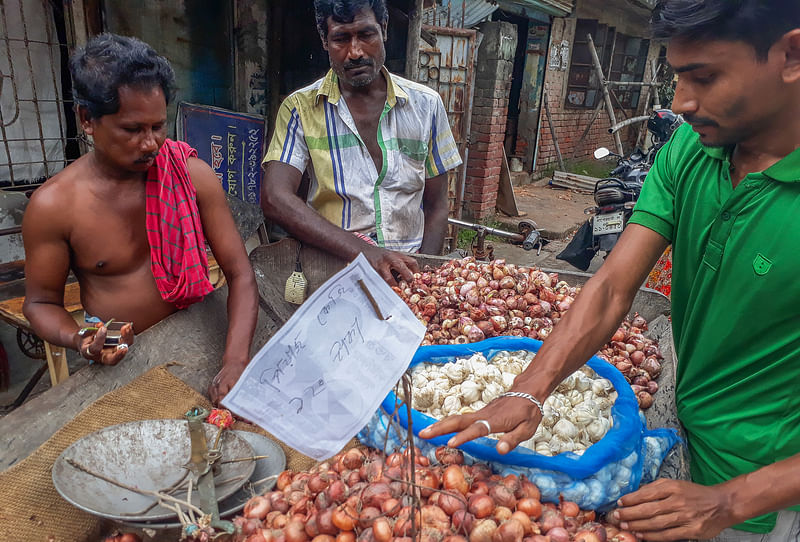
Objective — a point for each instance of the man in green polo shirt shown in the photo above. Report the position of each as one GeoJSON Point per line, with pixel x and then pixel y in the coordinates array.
{"type": "Point", "coordinates": [725, 192]}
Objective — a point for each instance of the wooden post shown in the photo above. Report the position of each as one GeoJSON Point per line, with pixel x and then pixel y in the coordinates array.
{"type": "Point", "coordinates": [553, 132]}
{"type": "Point", "coordinates": [606, 96]}
{"type": "Point", "coordinates": [412, 46]}
{"type": "Point", "coordinates": [654, 75]}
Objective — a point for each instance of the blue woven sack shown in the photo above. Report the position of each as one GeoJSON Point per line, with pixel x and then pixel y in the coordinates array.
{"type": "Point", "coordinates": [627, 455]}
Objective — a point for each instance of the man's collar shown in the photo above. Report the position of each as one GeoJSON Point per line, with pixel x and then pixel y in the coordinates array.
{"type": "Point", "coordinates": [330, 89]}
{"type": "Point", "coordinates": [787, 169]}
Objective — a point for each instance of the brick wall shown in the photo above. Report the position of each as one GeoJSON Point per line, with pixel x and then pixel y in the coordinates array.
{"type": "Point", "coordinates": [489, 115]}
{"type": "Point", "coordinates": [569, 123]}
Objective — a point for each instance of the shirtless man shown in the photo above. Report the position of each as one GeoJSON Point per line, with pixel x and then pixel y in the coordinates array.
{"type": "Point", "coordinates": [90, 217]}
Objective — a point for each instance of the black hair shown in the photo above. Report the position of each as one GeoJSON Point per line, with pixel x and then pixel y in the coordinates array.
{"type": "Point", "coordinates": [109, 61]}
{"type": "Point", "coordinates": [344, 11]}
{"type": "Point", "coordinates": [759, 23]}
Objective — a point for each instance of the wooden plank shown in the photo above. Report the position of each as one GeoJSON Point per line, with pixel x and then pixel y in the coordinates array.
{"type": "Point", "coordinates": [573, 181]}
{"type": "Point", "coordinates": [56, 363]}
{"type": "Point", "coordinates": [506, 201]}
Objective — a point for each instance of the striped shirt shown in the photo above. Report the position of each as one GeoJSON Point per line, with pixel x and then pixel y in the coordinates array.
{"type": "Point", "coordinates": [315, 131]}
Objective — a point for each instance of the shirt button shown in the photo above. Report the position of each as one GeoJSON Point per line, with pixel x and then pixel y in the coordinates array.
{"type": "Point", "coordinates": [726, 215]}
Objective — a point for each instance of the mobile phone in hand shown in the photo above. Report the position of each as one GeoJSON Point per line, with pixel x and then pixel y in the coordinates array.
{"type": "Point", "coordinates": [114, 333]}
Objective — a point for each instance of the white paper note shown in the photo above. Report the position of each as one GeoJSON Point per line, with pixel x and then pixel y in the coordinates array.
{"type": "Point", "coordinates": [320, 378]}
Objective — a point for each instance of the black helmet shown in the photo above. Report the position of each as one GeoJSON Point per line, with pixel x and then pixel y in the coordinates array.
{"type": "Point", "coordinates": [662, 123]}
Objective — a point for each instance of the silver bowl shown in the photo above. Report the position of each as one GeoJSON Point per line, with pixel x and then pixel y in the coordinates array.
{"type": "Point", "coordinates": [148, 455]}
{"type": "Point", "coordinates": [273, 465]}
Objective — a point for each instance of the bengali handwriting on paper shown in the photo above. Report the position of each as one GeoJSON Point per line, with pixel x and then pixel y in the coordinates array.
{"type": "Point", "coordinates": [320, 378]}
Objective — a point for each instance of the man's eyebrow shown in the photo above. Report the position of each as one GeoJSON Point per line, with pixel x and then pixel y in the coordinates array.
{"type": "Point", "coordinates": [690, 67]}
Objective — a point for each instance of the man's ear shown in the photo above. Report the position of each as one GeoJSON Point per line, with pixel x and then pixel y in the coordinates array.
{"type": "Point", "coordinates": [324, 40]}
{"type": "Point", "coordinates": [791, 67]}
{"type": "Point", "coordinates": [86, 120]}
{"type": "Point", "coordinates": [384, 29]}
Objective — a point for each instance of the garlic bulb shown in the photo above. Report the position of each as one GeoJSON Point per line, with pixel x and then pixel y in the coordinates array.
{"type": "Point", "coordinates": [455, 372]}
{"type": "Point", "coordinates": [419, 380]}
{"type": "Point", "coordinates": [451, 405]}
{"type": "Point", "coordinates": [584, 414]}
{"type": "Point", "coordinates": [597, 429]}
{"type": "Point", "coordinates": [561, 444]}
{"type": "Point", "coordinates": [423, 397]}
{"type": "Point", "coordinates": [575, 397]}
{"type": "Point", "coordinates": [565, 428]}
{"type": "Point", "coordinates": [508, 380]}
{"type": "Point", "coordinates": [491, 391]}
{"type": "Point", "coordinates": [602, 387]}
{"type": "Point", "coordinates": [470, 391]}
{"type": "Point", "coordinates": [583, 382]}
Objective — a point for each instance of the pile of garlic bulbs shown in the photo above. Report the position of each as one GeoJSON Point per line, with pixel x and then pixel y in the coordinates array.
{"type": "Point", "coordinates": [576, 415]}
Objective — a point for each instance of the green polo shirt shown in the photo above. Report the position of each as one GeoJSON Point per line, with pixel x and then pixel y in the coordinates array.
{"type": "Point", "coordinates": [735, 305]}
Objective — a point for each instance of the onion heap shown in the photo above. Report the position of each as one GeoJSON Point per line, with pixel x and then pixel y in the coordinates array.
{"type": "Point", "coordinates": [465, 301]}
{"type": "Point", "coordinates": [576, 415]}
{"type": "Point", "coordinates": [362, 495]}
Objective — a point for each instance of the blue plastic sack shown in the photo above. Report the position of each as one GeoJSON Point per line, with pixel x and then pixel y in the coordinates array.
{"type": "Point", "coordinates": [610, 468]}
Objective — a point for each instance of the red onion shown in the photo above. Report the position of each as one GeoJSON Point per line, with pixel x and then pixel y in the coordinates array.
{"type": "Point", "coordinates": [652, 366]}
{"type": "Point", "coordinates": [558, 534]}
{"type": "Point", "coordinates": [483, 531]}
{"type": "Point", "coordinates": [509, 531]}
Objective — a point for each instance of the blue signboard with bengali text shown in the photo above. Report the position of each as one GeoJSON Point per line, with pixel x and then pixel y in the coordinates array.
{"type": "Point", "coordinates": [231, 143]}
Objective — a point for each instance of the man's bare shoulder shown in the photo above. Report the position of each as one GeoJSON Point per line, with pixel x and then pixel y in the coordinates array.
{"type": "Point", "coordinates": [203, 177]}
{"type": "Point", "coordinates": [60, 190]}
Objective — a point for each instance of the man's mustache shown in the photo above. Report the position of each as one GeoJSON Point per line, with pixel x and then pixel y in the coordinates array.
{"type": "Point", "coordinates": [700, 121]}
{"type": "Point", "coordinates": [360, 63]}
{"type": "Point", "coordinates": [147, 158]}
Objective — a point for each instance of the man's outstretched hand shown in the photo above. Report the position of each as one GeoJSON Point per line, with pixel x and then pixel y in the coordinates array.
{"type": "Point", "coordinates": [388, 262]}
{"type": "Point", "coordinates": [516, 417]}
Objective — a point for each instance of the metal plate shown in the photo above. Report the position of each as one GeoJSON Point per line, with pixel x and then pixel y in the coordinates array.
{"type": "Point", "coordinates": [148, 454]}
{"type": "Point", "coordinates": [610, 223]}
{"type": "Point", "coordinates": [274, 464]}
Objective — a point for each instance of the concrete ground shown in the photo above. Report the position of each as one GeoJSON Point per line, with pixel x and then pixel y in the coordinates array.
{"type": "Point", "coordinates": [558, 213]}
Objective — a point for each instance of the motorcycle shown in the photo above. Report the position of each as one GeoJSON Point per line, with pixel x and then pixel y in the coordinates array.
{"type": "Point", "coordinates": [616, 195]}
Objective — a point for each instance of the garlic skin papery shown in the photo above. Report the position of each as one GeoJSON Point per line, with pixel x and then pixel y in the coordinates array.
{"type": "Point", "coordinates": [576, 415]}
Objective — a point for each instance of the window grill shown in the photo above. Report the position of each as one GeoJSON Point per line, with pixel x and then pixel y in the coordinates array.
{"type": "Point", "coordinates": [37, 124]}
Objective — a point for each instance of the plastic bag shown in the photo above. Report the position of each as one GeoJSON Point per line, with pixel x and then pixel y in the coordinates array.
{"type": "Point", "coordinates": [607, 470]}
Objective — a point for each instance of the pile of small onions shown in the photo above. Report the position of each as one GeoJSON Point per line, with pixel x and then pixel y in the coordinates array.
{"type": "Point", "coordinates": [362, 495]}
{"type": "Point", "coordinates": [636, 357]}
{"type": "Point", "coordinates": [465, 301]}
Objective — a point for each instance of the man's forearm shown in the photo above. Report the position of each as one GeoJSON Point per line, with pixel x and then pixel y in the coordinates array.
{"type": "Point", "coordinates": [53, 324]}
{"type": "Point", "coordinates": [435, 229]}
{"type": "Point", "coordinates": [590, 322]}
{"type": "Point", "coordinates": [769, 489]}
{"type": "Point", "coordinates": [309, 227]}
{"type": "Point", "coordinates": [242, 316]}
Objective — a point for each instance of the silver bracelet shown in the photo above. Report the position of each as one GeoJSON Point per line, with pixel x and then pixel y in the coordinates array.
{"type": "Point", "coordinates": [527, 396]}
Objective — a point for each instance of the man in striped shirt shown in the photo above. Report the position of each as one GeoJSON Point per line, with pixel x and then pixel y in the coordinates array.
{"type": "Point", "coordinates": [377, 149]}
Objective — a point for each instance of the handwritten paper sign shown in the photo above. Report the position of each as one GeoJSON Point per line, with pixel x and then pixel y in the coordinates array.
{"type": "Point", "coordinates": [231, 143]}
{"type": "Point", "coordinates": [320, 378]}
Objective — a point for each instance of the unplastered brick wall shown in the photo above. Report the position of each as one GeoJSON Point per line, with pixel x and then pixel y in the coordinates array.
{"type": "Point", "coordinates": [569, 124]}
{"type": "Point", "coordinates": [489, 114]}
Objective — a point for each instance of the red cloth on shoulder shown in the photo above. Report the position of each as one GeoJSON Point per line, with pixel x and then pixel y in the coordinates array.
{"type": "Point", "coordinates": [177, 245]}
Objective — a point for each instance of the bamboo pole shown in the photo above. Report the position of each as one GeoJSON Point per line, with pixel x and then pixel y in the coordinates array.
{"type": "Point", "coordinates": [553, 132]}
{"type": "Point", "coordinates": [606, 96]}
